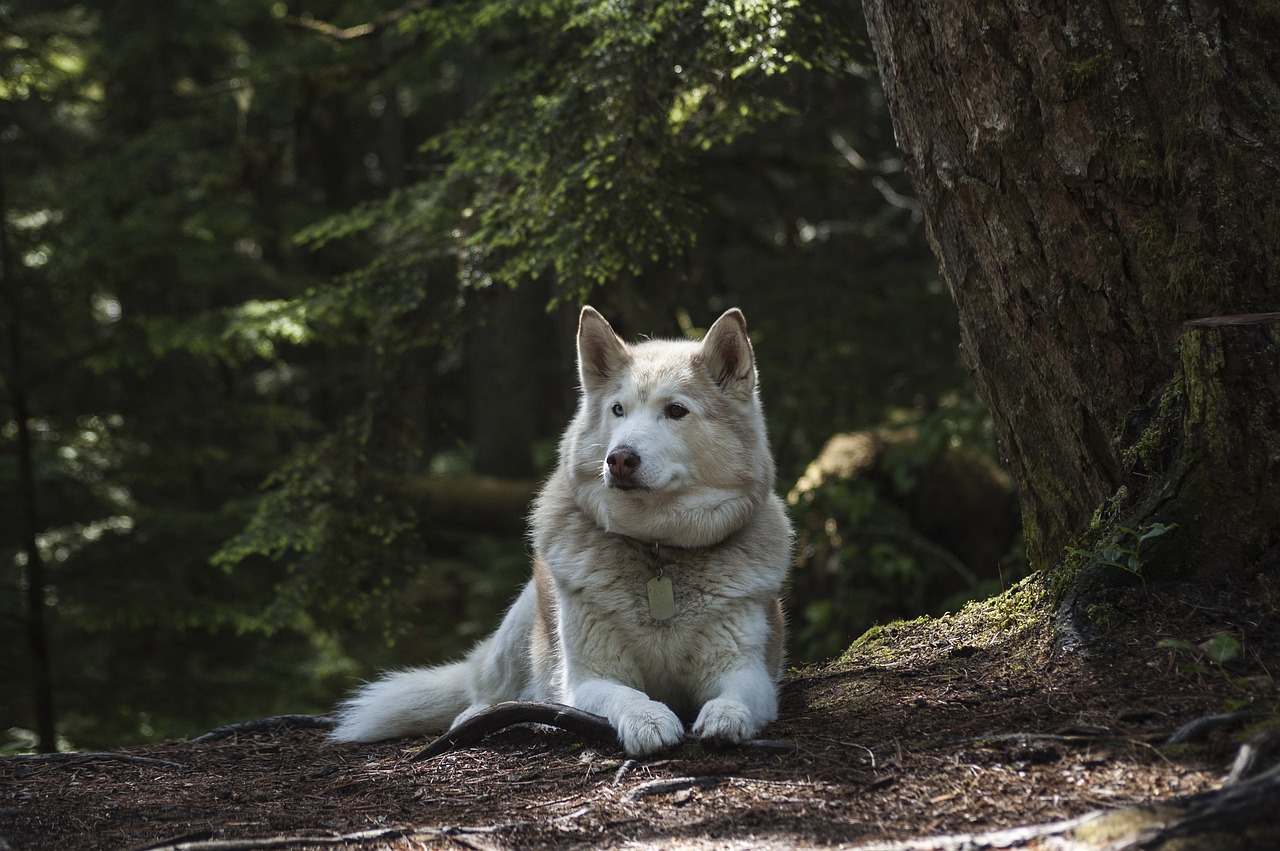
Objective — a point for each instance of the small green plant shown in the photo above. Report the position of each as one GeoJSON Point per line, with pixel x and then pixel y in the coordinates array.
{"type": "Point", "coordinates": [1218, 650]}
{"type": "Point", "coordinates": [19, 742]}
{"type": "Point", "coordinates": [1210, 656]}
{"type": "Point", "coordinates": [1127, 558]}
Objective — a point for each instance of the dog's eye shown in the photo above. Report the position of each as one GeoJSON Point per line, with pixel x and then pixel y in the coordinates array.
{"type": "Point", "coordinates": [617, 409]}
{"type": "Point", "coordinates": [676, 411]}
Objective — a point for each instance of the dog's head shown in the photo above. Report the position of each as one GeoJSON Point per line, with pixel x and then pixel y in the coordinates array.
{"type": "Point", "coordinates": [669, 442]}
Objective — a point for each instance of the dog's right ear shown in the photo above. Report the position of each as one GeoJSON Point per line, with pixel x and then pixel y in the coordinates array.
{"type": "Point", "coordinates": [601, 352]}
{"type": "Point", "coordinates": [727, 353]}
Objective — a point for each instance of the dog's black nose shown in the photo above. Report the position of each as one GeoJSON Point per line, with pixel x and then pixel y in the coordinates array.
{"type": "Point", "coordinates": [622, 461]}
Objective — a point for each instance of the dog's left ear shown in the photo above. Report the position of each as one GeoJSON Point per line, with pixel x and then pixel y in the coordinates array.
{"type": "Point", "coordinates": [727, 354]}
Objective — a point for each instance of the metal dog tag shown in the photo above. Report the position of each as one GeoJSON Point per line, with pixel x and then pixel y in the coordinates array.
{"type": "Point", "coordinates": [662, 598]}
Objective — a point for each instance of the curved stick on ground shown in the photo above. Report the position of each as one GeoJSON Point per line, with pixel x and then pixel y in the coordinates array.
{"type": "Point", "coordinates": [776, 746]}
{"type": "Point", "coordinates": [1199, 728]}
{"type": "Point", "coordinates": [594, 728]}
{"type": "Point", "coordinates": [664, 785]}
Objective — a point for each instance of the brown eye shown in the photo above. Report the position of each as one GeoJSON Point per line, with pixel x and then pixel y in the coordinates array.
{"type": "Point", "coordinates": [676, 411]}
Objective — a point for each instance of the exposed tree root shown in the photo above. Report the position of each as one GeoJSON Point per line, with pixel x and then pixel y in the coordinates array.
{"type": "Point", "coordinates": [1238, 816]}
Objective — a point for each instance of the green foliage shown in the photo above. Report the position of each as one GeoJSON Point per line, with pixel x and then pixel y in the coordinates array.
{"type": "Point", "coordinates": [904, 521]}
{"type": "Point", "coordinates": [20, 742]}
{"type": "Point", "coordinates": [160, 385]}
{"type": "Point", "coordinates": [325, 517]}
{"type": "Point", "coordinates": [1126, 552]}
{"type": "Point", "coordinates": [1213, 657]}
{"type": "Point", "coordinates": [1218, 650]}
{"type": "Point", "coordinates": [580, 153]}
{"type": "Point", "coordinates": [955, 422]}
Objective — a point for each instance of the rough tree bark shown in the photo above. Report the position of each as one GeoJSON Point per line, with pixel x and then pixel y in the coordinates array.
{"type": "Point", "coordinates": [1095, 176]}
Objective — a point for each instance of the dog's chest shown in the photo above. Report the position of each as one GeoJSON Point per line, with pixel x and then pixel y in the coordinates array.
{"type": "Point", "coordinates": [655, 590]}
{"type": "Point", "coordinates": [673, 583]}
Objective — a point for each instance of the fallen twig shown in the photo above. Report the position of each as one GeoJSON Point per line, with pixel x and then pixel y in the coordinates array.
{"type": "Point", "coordinates": [765, 746]}
{"type": "Point", "coordinates": [357, 838]}
{"type": "Point", "coordinates": [281, 841]}
{"type": "Point", "coordinates": [670, 784]}
{"type": "Point", "coordinates": [1053, 738]}
{"type": "Point", "coordinates": [1194, 731]}
{"type": "Point", "coordinates": [622, 771]}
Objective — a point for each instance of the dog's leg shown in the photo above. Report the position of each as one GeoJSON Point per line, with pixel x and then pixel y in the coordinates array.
{"type": "Point", "coordinates": [644, 726]}
{"type": "Point", "coordinates": [745, 700]}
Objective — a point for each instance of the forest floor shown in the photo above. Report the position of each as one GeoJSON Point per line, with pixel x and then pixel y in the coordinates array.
{"type": "Point", "coordinates": [964, 724]}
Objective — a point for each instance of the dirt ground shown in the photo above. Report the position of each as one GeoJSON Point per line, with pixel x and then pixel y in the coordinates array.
{"type": "Point", "coordinates": [963, 724]}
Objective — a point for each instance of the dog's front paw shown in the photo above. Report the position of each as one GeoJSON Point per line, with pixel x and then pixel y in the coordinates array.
{"type": "Point", "coordinates": [723, 720]}
{"type": "Point", "coordinates": [649, 728]}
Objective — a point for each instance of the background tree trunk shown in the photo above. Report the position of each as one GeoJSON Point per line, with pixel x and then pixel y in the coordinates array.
{"type": "Point", "coordinates": [1093, 176]}
{"type": "Point", "coordinates": [507, 353]}
{"type": "Point", "coordinates": [14, 381]}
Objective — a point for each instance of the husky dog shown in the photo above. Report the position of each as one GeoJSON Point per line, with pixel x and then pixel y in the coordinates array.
{"type": "Point", "coordinates": [660, 551]}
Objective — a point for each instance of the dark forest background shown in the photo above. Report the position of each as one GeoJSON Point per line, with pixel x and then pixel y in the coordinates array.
{"type": "Point", "coordinates": [288, 295]}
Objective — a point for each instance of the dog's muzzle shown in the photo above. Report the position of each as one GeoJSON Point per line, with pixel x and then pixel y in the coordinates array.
{"type": "Point", "coordinates": [621, 464]}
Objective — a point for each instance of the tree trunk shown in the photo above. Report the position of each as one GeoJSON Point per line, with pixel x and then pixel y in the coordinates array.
{"type": "Point", "coordinates": [1094, 176]}
{"type": "Point", "coordinates": [506, 351]}
{"type": "Point", "coordinates": [15, 382]}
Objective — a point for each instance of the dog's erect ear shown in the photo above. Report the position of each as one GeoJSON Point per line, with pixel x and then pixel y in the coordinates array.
{"type": "Point", "coordinates": [601, 352]}
{"type": "Point", "coordinates": [727, 353]}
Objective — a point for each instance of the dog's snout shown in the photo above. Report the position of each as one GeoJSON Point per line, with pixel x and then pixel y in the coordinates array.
{"type": "Point", "coordinates": [622, 461]}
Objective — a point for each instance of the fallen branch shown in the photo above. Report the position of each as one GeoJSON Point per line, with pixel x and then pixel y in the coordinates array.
{"type": "Point", "coordinates": [1053, 738]}
{"type": "Point", "coordinates": [251, 844]}
{"type": "Point", "coordinates": [359, 837]}
{"type": "Point", "coordinates": [594, 728]}
{"type": "Point", "coordinates": [763, 745]}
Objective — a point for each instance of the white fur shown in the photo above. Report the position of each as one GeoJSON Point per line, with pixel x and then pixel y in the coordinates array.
{"type": "Point", "coordinates": [581, 632]}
